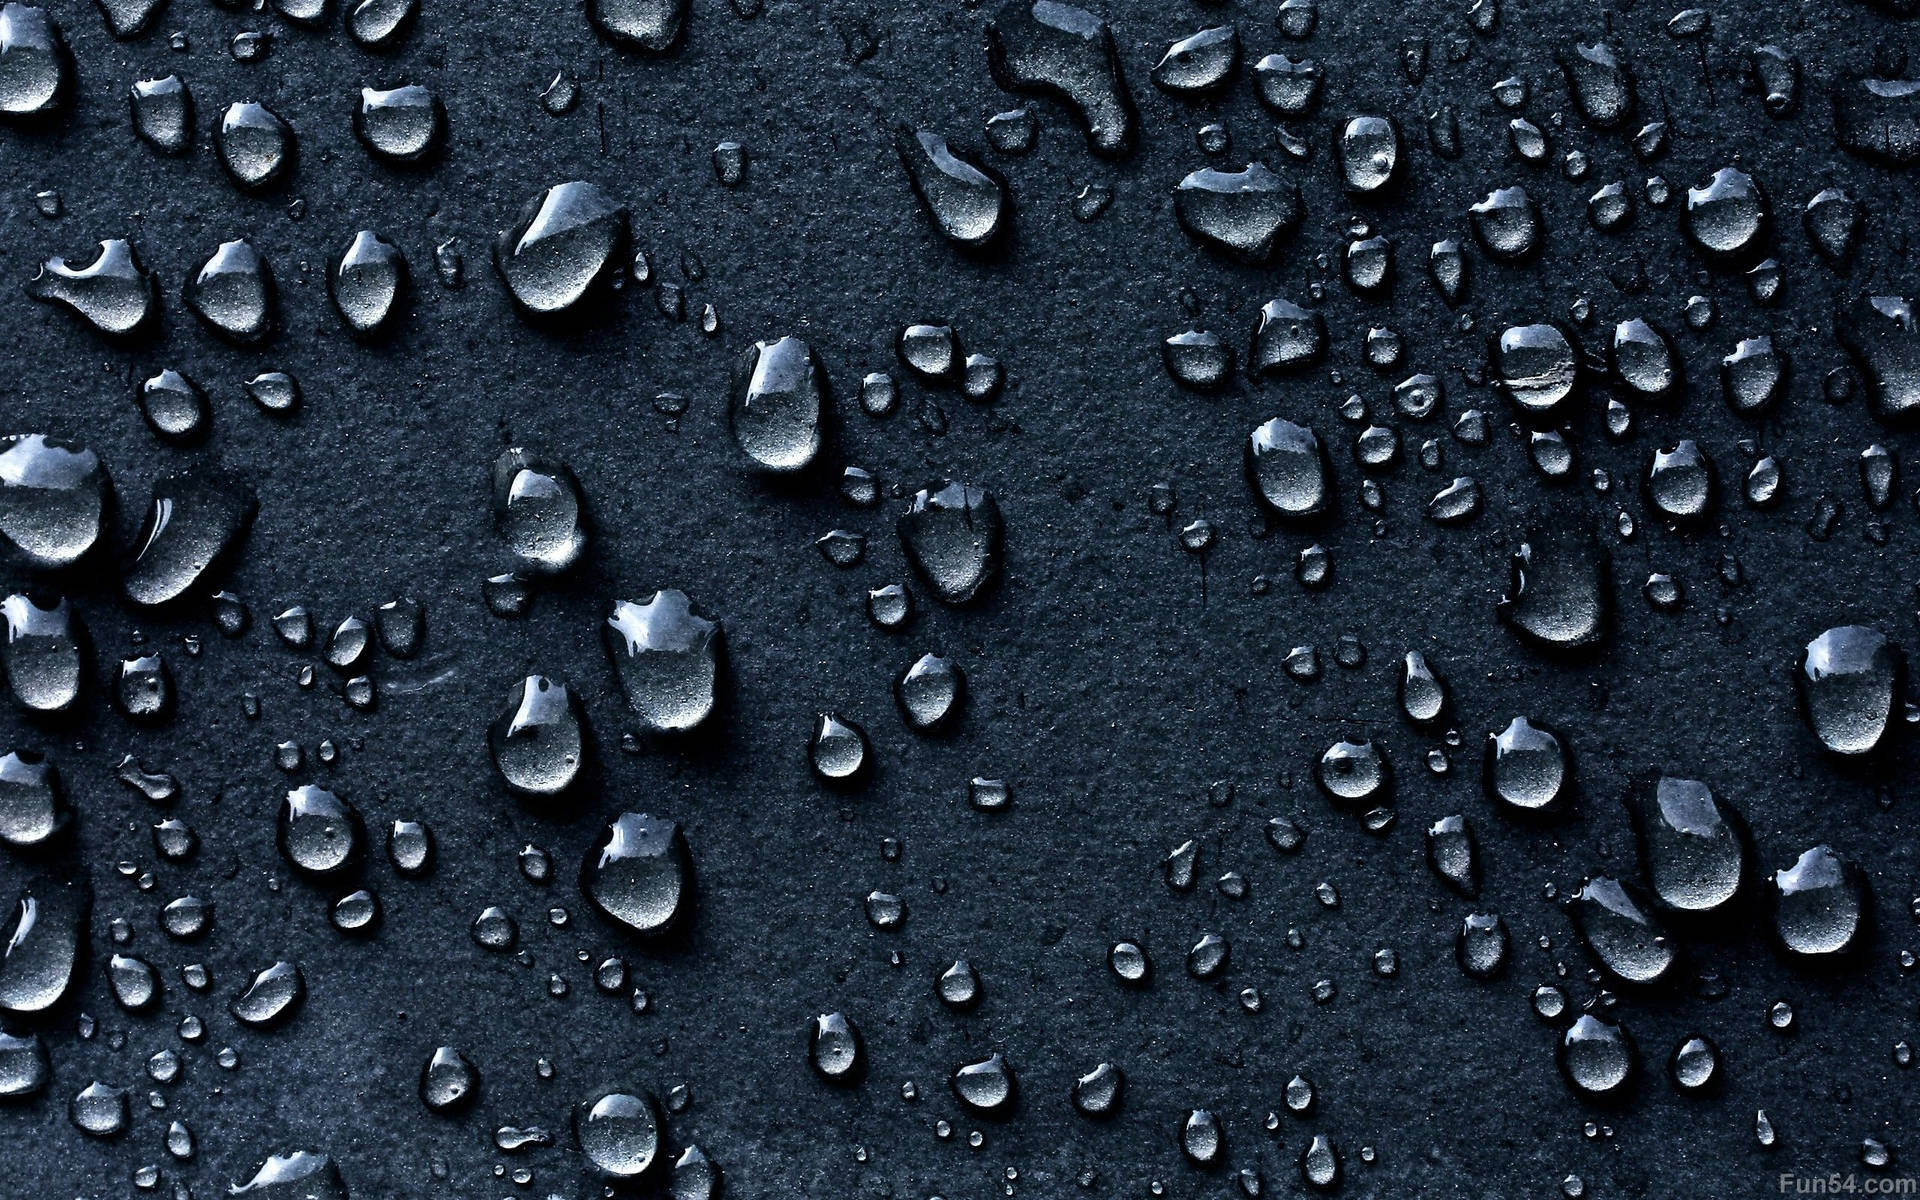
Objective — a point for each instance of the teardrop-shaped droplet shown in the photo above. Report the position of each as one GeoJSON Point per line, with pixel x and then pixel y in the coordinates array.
{"type": "Point", "coordinates": [986, 1087]}
{"type": "Point", "coordinates": [1528, 771]}
{"type": "Point", "coordinates": [837, 751]}
{"type": "Point", "coordinates": [271, 998]}
{"type": "Point", "coordinates": [966, 200]}
{"type": "Point", "coordinates": [233, 293]}
{"type": "Point", "coordinates": [1423, 693]}
{"type": "Point", "coordinates": [1099, 1092]}
{"type": "Point", "coordinates": [536, 741]}
{"type": "Point", "coordinates": [449, 1080]}
{"type": "Point", "coordinates": [368, 283]}
{"type": "Point", "coordinates": [1642, 359]}
{"type": "Point", "coordinates": [836, 1050]}
{"type": "Point", "coordinates": [1621, 932]}
{"type": "Point", "coordinates": [320, 835]}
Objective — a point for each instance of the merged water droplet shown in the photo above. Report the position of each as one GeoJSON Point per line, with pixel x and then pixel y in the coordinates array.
{"type": "Point", "coordinates": [650, 26]}
{"type": "Point", "coordinates": [1243, 213]}
{"type": "Point", "coordinates": [1884, 339]}
{"type": "Point", "coordinates": [113, 293]}
{"type": "Point", "coordinates": [1051, 48]}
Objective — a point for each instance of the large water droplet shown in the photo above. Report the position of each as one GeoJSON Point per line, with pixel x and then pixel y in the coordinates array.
{"type": "Point", "coordinates": [639, 873]}
{"type": "Point", "coordinates": [536, 741]}
{"type": "Point", "coordinates": [1850, 679]}
{"type": "Point", "coordinates": [568, 244]}
{"type": "Point", "coordinates": [1051, 48]}
{"type": "Point", "coordinates": [777, 405]}
{"type": "Point", "coordinates": [667, 654]}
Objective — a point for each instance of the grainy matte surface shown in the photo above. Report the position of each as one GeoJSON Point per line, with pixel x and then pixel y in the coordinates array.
{"type": "Point", "coordinates": [1114, 675]}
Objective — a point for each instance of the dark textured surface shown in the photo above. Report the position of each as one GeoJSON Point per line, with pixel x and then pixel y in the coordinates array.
{"type": "Point", "coordinates": [1114, 675]}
